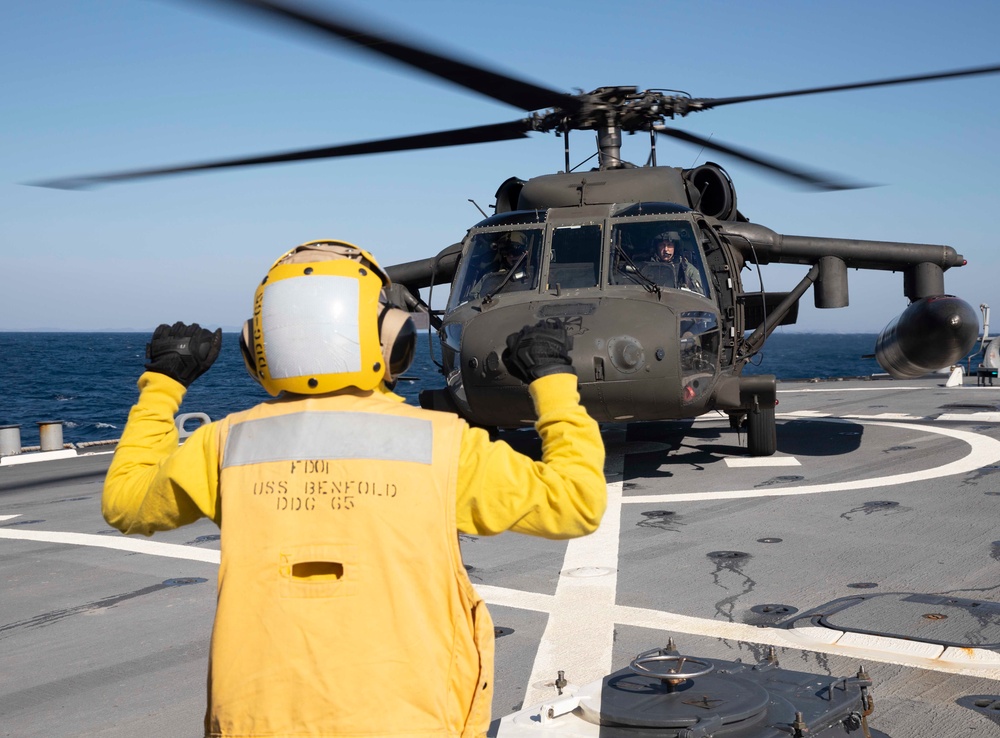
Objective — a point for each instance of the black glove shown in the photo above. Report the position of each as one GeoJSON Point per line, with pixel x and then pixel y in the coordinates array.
{"type": "Point", "coordinates": [183, 352]}
{"type": "Point", "coordinates": [539, 350]}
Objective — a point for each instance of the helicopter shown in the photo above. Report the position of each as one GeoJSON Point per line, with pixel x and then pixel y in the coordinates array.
{"type": "Point", "coordinates": [653, 339]}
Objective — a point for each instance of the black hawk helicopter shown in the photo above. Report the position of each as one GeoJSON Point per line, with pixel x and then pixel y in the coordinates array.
{"type": "Point", "coordinates": [642, 263]}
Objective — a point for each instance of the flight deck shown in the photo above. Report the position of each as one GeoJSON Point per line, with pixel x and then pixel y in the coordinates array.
{"type": "Point", "coordinates": [868, 540]}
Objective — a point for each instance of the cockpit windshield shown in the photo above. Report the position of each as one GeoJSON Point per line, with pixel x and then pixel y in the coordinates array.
{"type": "Point", "coordinates": [498, 262]}
{"type": "Point", "coordinates": [664, 251]}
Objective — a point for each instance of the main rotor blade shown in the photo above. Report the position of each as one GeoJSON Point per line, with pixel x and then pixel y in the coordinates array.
{"type": "Point", "coordinates": [502, 87]}
{"type": "Point", "coordinates": [457, 137]}
{"type": "Point", "coordinates": [714, 102]}
{"type": "Point", "coordinates": [815, 180]}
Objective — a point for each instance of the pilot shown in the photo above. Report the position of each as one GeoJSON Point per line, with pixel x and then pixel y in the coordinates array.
{"type": "Point", "coordinates": [510, 247]}
{"type": "Point", "coordinates": [665, 246]}
{"type": "Point", "coordinates": [343, 607]}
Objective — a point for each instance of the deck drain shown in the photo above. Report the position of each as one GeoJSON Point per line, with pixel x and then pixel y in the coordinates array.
{"type": "Point", "coordinates": [499, 631]}
{"type": "Point", "coordinates": [886, 506]}
{"type": "Point", "coordinates": [728, 555]}
{"type": "Point", "coordinates": [995, 550]}
{"type": "Point", "coordinates": [206, 539]}
{"type": "Point", "coordinates": [768, 540]}
{"type": "Point", "coordinates": [774, 610]}
{"type": "Point", "coordinates": [786, 478]}
{"type": "Point", "coordinates": [935, 616]}
{"type": "Point", "coordinates": [862, 585]}
{"type": "Point", "coordinates": [181, 581]}
{"type": "Point", "coordinates": [658, 513]}
{"type": "Point", "coordinates": [988, 703]}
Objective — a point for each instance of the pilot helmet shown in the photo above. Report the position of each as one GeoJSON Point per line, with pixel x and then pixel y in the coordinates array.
{"type": "Point", "coordinates": [513, 241]}
{"type": "Point", "coordinates": [672, 236]}
{"type": "Point", "coordinates": [321, 322]}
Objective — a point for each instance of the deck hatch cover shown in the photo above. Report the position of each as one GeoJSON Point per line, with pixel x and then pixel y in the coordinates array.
{"type": "Point", "coordinates": [928, 618]}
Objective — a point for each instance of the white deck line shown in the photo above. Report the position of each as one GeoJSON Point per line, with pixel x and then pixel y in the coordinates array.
{"type": "Point", "coordinates": [132, 545]}
{"type": "Point", "coordinates": [579, 634]}
{"type": "Point", "coordinates": [972, 662]}
{"type": "Point", "coordinates": [855, 389]}
{"type": "Point", "coordinates": [817, 415]}
{"type": "Point", "coordinates": [66, 453]}
{"type": "Point", "coordinates": [981, 417]}
{"type": "Point", "coordinates": [984, 417]}
{"type": "Point", "coordinates": [738, 462]}
{"type": "Point", "coordinates": [901, 651]}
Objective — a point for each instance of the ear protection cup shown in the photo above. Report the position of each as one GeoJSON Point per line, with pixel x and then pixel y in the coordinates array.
{"type": "Point", "coordinates": [249, 360]}
{"type": "Point", "coordinates": [398, 339]}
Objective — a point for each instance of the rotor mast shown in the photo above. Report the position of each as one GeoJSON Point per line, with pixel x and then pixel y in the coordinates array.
{"type": "Point", "coordinates": [609, 143]}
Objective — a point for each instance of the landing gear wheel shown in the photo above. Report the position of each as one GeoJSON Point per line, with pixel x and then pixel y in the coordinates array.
{"type": "Point", "coordinates": [762, 436]}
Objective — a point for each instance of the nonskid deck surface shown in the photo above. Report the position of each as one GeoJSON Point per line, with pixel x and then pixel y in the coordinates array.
{"type": "Point", "coordinates": [869, 539]}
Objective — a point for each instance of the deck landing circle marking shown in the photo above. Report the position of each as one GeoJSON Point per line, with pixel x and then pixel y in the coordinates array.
{"type": "Point", "coordinates": [983, 451]}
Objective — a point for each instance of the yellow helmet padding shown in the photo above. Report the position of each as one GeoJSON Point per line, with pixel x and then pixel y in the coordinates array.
{"type": "Point", "coordinates": [329, 248]}
{"type": "Point", "coordinates": [315, 321]}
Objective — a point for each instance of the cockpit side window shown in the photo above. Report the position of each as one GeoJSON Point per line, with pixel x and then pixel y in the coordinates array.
{"type": "Point", "coordinates": [665, 252]}
{"type": "Point", "coordinates": [575, 259]}
{"type": "Point", "coordinates": [497, 261]}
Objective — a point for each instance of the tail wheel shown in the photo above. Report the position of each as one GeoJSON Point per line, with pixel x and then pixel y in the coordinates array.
{"type": "Point", "coordinates": [762, 436]}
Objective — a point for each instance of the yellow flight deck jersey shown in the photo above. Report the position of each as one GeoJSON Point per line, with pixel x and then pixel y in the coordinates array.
{"type": "Point", "coordinates": [344, 608]}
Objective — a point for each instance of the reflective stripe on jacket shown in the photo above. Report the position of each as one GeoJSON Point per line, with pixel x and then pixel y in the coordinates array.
{"type": "Point", "coordinates": [344, 608]}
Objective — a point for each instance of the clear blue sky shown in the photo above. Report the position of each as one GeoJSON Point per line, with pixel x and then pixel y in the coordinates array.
{"type": "Point", "coordinates": [101, 85]}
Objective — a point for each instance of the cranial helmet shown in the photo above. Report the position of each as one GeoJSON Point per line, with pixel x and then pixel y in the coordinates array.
{"type": "Point", "coordinates": [673, 236]}
{"type": "Point", "coordinates": [515, 240]}
{"type": "Point", "coordinates": [321, 322]}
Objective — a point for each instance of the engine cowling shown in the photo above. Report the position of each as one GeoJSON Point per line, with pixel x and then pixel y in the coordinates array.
{"type": "Point", "coordinates": [711, 191]}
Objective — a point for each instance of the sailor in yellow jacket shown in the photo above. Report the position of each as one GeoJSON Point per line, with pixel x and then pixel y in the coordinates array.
{"type": "Point", "coordinates": [343, 606]}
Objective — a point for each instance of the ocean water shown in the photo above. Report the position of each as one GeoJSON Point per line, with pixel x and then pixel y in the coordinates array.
{"type": "Point", "coordinates": [88, 380]}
